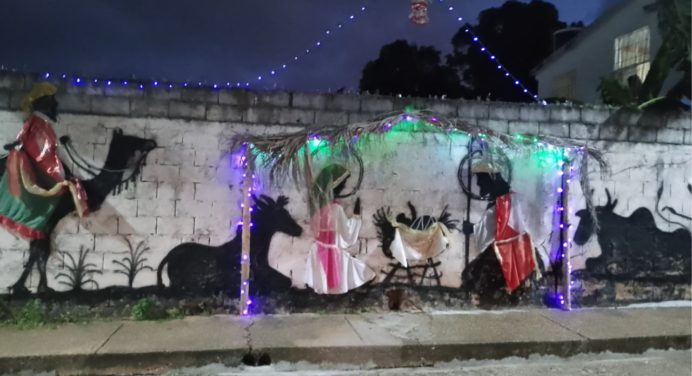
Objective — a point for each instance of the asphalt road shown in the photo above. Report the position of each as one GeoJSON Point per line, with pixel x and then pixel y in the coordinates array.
{"type": "Point", "coordinates": [653, 362]}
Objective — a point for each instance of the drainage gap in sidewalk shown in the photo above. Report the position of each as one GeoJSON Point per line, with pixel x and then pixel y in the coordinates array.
{"type": "Point", "coordinates": [252, 360]}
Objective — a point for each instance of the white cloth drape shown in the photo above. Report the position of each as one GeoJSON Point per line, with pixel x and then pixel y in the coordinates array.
{"type": "Point", "coordinates": [354, 273]}
{"type": "Point", "coordinates": [414, 245]}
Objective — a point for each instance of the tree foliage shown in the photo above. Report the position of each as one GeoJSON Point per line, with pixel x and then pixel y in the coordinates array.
{"type": "Point", "coordinates": [409, 70]}
{"type": "Point", "coordinates": [519, 34]}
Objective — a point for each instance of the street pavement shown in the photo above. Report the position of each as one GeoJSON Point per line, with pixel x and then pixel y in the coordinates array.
{"type": "Point", "coordinates": [652, 362]}
{"type": "Point", "coordinates": [386, 340]}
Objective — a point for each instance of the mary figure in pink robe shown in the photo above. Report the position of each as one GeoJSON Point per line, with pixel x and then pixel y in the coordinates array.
{"type": "Point", "coordinates": [331, 269]}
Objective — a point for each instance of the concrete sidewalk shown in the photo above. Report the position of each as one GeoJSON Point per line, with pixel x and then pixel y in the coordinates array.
{"type": "Point", "coordinates": [386, 340]}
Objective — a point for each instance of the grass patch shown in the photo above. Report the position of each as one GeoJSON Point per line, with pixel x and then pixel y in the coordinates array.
{"type": "Point", "coordinates": [175, 314]}
{"type": "Point", "coordinates": [148, 309]}
{"type": "Point", "coordinates": [34, 314]}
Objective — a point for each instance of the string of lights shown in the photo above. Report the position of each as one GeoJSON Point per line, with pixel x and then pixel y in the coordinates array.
{"type": "Point", "coordinates": [565, 172]}
{"type": "Point", "coordinates": [557, 160]}
{"type": "Point", "coordinates": [317, 44]}
{"type": "Point", "coordinates": [245, 224]}
{"type": "Point", "coordinates": [493, 59]}
{"type": "Point", "coordinates": [275, 70]}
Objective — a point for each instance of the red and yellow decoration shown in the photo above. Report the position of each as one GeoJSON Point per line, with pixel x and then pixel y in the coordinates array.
{"type": "Point", "coordinates": [419, 12]}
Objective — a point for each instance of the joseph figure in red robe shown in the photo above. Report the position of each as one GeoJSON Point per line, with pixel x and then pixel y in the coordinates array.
{"type": "Point", "coordinates": [501, 237]}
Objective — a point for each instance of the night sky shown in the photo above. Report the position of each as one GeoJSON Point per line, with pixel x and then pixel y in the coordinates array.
{"type": "Point", "coordinates": [228, 40]}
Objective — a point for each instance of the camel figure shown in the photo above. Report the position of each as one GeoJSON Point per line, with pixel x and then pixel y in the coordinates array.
{"type": "Point", "coordinates": [126, 154]}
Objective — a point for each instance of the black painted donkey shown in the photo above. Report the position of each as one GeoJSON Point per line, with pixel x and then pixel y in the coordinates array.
{"type": "Point", "coordinates": [195, 268]}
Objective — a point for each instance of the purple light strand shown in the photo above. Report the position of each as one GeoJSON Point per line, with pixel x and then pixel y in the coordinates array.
{"type": "Point", "coordinates": [245, 259]}
{"type": "Point", "coordinates": [565, 226]}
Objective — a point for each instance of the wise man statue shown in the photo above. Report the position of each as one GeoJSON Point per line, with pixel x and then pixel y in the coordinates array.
{"type": "Point", "coordinates": [34, 178]}
{"type": "Point", "coordinates": [507, 254]}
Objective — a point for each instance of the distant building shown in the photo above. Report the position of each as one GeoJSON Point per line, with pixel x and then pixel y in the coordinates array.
{"type": "Point", "coordinates": [621, 43]}
{"type": "Point", "coordinates": [563, 36]}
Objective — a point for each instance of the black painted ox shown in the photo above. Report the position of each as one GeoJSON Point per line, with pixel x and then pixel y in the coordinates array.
{"type": "Point", "coordinates": [633, 248]}
{"type": "Point", "coordinates": [196, 268]}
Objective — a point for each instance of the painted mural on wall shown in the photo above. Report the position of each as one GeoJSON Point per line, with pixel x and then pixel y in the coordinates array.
{"type": "Point", "coordinates": [123, 151]}
{"type": "Point", "coordinates": [194, 268]}
{"type": "Point", "coordinates": [641, 249]}
{"type": "Point", "coordinates": [633, 248]}
{"type": "Point", "coordinates": [175, 232]}
{"type": "Point", "coordinates": [636, 256]}
{"type": "Point", "coordinates": [37, 190]}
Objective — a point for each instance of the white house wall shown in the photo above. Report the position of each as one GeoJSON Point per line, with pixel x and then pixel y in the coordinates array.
{"type": "Point", "coordinates": [592, 55]}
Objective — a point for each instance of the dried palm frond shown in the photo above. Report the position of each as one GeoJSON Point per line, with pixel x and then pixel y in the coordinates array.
{"type": "Point", "coordinates": [283, 155]}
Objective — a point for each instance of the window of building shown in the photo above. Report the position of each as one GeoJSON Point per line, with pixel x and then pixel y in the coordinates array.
{"type": "Point", "coordinates": [632, 54]}
{"type": "Point", "coordinates": [564, 85]}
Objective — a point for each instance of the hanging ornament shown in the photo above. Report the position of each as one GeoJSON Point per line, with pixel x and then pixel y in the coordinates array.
{"type": "Point", "coordinates": [419, 12]}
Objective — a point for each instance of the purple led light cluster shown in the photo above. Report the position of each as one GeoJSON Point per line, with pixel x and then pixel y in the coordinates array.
{"type": "Point", "coordinates": [241, 162]}
{"type": "Point", "coordinates": [565, 226]}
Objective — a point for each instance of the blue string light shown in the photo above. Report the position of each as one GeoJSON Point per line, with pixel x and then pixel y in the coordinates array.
{"type": "Point", "coordinates": [500, 67]}
{"type": "Point", "coordinates": [319, 43]}
{"type": "Point", "coordinates": [274, 72]}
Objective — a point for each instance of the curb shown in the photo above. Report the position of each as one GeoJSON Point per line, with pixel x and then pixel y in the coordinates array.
{"type": "Point", "coordinates": [413, 355]}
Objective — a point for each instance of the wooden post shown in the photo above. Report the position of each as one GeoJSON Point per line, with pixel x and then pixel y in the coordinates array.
{"type": "Point", "coordinates": [245, 301]}
{"type": "Point", "coordinates": [307, 172]}
{"type": "Point", "coordinates": [566, 264]}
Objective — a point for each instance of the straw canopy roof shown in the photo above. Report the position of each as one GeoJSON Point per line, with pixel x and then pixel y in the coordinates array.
{"type": "Point", "coordinates": [285, 154]}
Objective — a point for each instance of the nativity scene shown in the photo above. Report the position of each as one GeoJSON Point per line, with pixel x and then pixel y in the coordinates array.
{"type": "Point", "coordinates": [347, 245]}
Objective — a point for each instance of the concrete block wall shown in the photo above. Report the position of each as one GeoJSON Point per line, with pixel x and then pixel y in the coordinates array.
{"type": "Point", "coordinates": [189, 190]}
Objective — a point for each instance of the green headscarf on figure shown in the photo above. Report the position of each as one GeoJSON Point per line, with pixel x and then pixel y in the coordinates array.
{"type": "Point", "coordinates": [322, 192]}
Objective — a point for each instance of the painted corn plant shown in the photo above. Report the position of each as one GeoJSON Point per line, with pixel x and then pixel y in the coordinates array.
{"type": "Point", "coordinates": [133, 263]}
{"type": "Point", "coordinates": [79, 272]}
